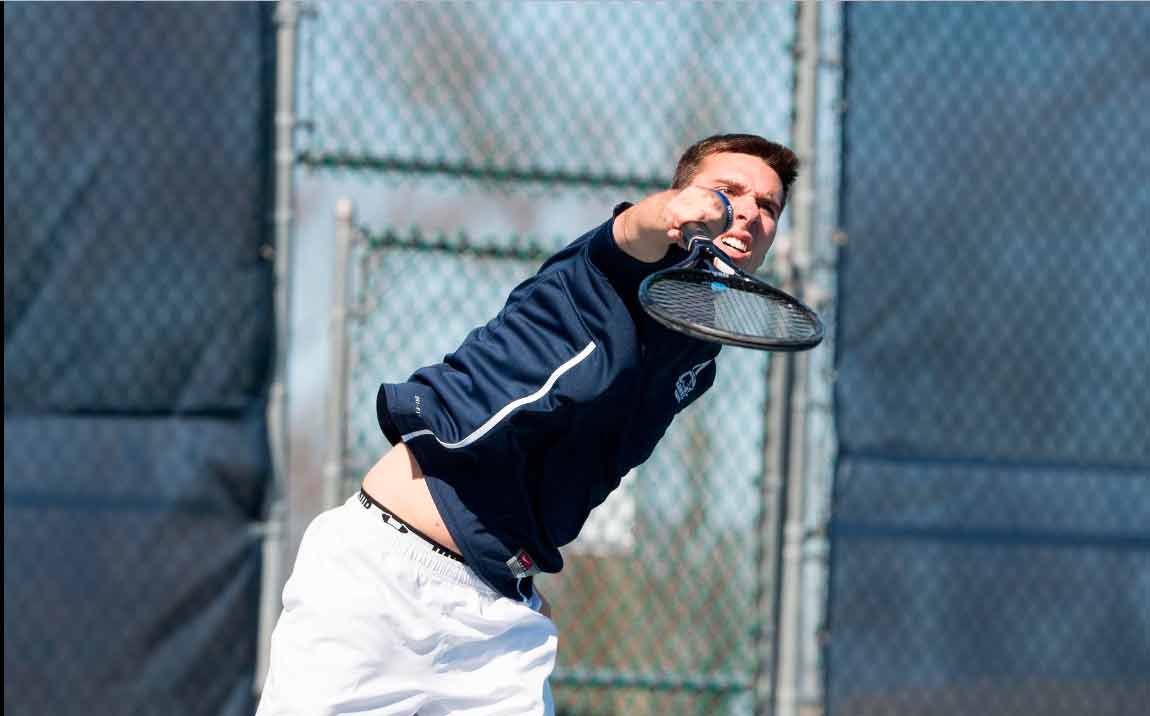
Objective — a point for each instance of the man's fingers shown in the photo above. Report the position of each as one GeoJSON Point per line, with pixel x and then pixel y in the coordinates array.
{"type": "Point", "coordinates": [697, 204]}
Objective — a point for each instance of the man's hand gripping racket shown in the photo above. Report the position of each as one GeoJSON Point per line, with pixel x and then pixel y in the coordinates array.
{"type": "Point", "coordinates": [708, 297]}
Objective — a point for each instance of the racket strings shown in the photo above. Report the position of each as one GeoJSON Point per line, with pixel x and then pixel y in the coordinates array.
{"type": "Point", "coordinates": [717, 305]}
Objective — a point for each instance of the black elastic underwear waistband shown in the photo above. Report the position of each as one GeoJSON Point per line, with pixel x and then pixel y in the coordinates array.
{"type": "Point", "coordinates": [390, 518]}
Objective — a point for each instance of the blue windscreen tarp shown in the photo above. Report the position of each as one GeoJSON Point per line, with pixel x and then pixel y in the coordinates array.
{"type": "Point", "coordinates": [138, 323]}
{"type": "Point", "coordinates": [991, 520]}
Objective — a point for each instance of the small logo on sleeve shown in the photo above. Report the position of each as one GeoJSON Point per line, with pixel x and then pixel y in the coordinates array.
{"type": "Point", "coordinates": [685, 385]}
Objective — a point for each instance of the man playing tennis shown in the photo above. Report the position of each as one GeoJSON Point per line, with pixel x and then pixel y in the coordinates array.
{"type": "Point", "coordinates": [417, 594]}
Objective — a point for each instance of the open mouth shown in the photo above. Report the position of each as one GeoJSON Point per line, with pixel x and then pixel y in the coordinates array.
{"type": "Point", "coordinates": [735, 243]}
{"type": "Point", "coordinates": [736, 247]}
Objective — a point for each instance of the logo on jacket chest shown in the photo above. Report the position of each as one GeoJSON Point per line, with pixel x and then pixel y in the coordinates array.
{"type": "Point", "coordinates": [685, 385]}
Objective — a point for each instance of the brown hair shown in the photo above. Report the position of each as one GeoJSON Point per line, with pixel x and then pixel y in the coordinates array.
{"type": "Point", "coordinates": [777, 157]}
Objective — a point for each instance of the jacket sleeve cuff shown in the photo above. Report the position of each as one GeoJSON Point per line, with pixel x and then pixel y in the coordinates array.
{"type": "Point", "coordinates": [391, 431]}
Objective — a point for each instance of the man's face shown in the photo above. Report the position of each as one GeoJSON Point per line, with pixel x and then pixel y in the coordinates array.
{"type": "Point", "coordinates": [756, 195]}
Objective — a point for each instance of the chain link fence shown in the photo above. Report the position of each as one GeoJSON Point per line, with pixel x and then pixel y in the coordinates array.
{"type": "Point", "coordinates": [991, 552]}
{"type": "Point", "coordinates": [119, 210]}
{"type": "Point", "coordinates": [137, 327]}
{"type": "Point", "coordinates": [666, 603]}
{"type": "Point", "coordinates": [565, 94]}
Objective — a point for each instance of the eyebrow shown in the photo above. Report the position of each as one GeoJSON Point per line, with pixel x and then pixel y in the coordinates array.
{"type": "Point", "coordinates": [768, 200]}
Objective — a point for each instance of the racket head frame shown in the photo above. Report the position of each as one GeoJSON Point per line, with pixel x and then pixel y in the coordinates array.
{"type": "Point", "coordinates": [699, 266]}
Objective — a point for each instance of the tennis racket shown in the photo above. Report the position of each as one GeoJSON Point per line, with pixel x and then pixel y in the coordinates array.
{"type": "Point", "coordinates": [708, 297]}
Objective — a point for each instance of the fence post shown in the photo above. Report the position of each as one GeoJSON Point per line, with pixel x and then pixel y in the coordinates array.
{"type": "Point", "coordinates": [275, 528]}
{"type": "Point", "coordinates": [337, 391]}
{"type": "Point", "coordinates": [792, 642]}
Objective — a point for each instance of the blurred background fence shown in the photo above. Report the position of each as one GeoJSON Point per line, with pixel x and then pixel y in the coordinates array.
{"type": "Point", "coordinates": [991, 531]}
{"type": "Point", "coordinates": [668, 603]}
{"type": "Point", "coordinates": [943, 510]}
{"type": "Point", "coordinates": [137, 332]}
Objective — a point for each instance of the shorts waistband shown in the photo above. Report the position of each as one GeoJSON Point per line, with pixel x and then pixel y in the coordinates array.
{"type": "Point", "coordinates": [402, 527]}
{"type": "Point", "coordinates": [415, 548]}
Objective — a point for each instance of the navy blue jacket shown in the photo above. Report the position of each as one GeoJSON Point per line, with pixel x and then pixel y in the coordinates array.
{"type": "Point", "coordinates": [539, 414]}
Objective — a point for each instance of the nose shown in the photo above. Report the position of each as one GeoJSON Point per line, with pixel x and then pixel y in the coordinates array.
{"type": "Point", "coordinates": [746, 210]}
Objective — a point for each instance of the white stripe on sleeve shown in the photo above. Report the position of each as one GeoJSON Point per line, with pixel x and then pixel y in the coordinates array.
{"type": "Point", "coordinates": [510, 407]}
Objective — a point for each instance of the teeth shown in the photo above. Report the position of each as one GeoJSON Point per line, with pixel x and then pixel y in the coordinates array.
{"type": "Point", "coordinates": [734, 243]}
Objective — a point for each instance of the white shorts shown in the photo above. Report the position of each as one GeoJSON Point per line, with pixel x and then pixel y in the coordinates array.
{"type": "Point", "coordinates": [375, 623]}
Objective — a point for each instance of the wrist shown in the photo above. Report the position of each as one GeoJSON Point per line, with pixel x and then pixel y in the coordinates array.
{"type": "Point", "coordinates": [624, 233]}
{"type": "Point", "coordinates": [637, 233]}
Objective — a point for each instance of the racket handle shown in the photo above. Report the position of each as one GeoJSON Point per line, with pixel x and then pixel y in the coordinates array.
{"type": "Point", "coordinates": [694, 231]}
